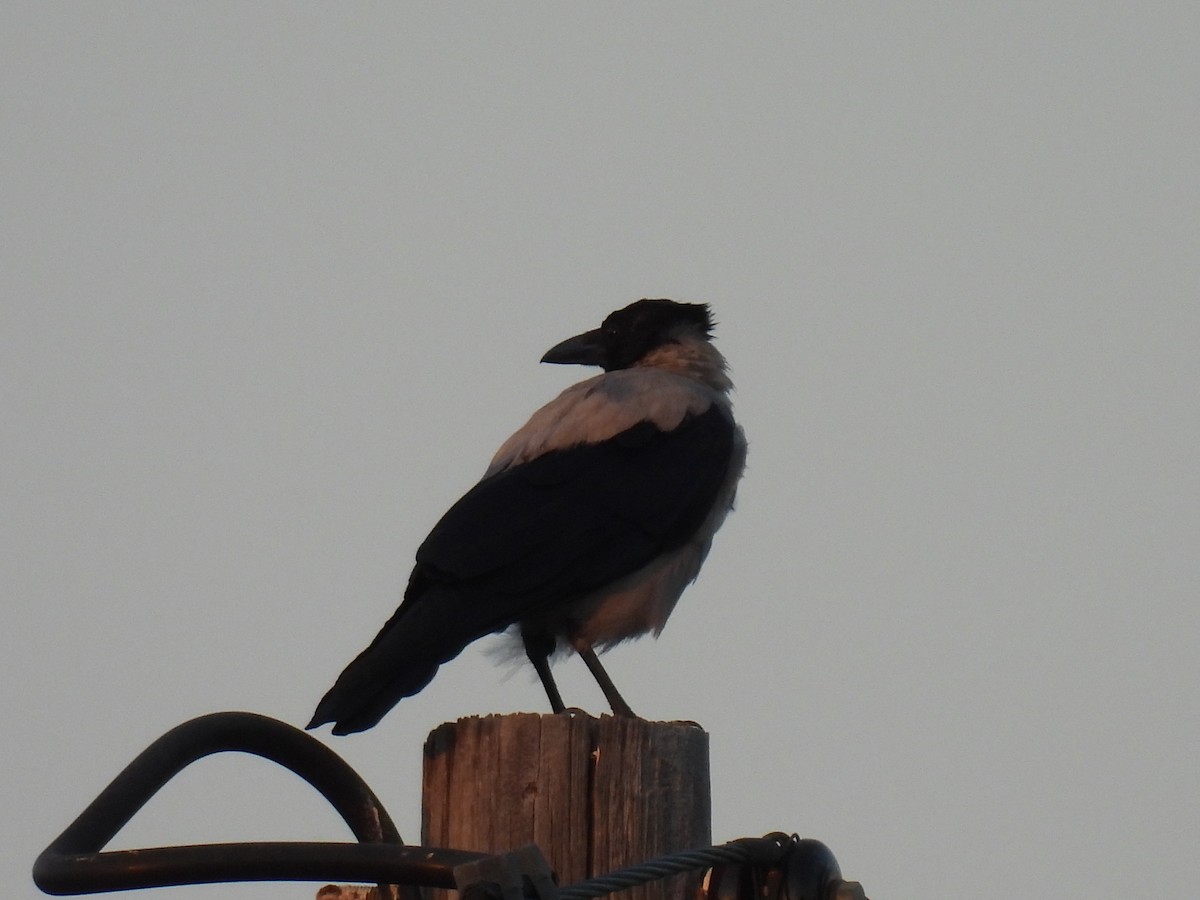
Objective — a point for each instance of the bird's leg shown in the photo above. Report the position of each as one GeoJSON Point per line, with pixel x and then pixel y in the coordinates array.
{"type": "Point", "coordinates": [539, 654]}
{"type": "Point", "coordinates": [542, 665]}
{"type": "Point", "coordinates": [611, 694]}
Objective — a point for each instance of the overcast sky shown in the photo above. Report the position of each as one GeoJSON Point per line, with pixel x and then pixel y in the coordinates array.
{"type": "Point", "coordinates": [274, 283]}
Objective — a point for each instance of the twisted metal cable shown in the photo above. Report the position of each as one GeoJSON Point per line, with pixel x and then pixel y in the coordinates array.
{"type": "Point", "coordinates": [762, 850]}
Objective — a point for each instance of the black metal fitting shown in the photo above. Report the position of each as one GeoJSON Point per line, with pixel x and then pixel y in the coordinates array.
{"type": "Point", "coordinates": [522, 874]}
{"type": "Point", "coordinates": [803, 869]}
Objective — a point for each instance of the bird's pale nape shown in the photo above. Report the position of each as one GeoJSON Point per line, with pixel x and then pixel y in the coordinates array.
{"type": "Point", "coordinates": [588, 524]}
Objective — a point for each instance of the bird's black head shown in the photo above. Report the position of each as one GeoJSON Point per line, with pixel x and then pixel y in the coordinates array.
{"type": "Point", "coordinates": [628, 334]}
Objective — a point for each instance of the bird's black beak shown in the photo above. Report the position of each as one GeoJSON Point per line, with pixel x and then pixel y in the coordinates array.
{"type": "Point", "coordinates": [585, 349]}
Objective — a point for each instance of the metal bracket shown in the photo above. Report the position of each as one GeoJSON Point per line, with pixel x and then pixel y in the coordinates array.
{"type": "Point", "coordinates": [519, 875]}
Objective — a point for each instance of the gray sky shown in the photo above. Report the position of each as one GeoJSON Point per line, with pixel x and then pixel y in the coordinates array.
{"type": "Point", "coordinates": [275, 282]}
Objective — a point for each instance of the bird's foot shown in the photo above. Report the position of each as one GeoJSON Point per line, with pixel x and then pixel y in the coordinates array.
{"type": "Point", "coordinates": [575, 712]}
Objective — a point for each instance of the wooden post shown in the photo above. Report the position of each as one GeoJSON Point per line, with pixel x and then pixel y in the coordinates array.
{"type": "Point", "coordinates": [593, 794]}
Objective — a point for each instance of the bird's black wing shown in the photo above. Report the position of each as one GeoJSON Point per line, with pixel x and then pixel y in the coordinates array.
{"type": "Point", "coordinates": [573, 520]}
{"type": "Point", "coordinates": [549, 530]}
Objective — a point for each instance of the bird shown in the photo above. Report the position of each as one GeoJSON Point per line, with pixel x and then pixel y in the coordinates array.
{"type": "Point", "coordinates": [585, 528]}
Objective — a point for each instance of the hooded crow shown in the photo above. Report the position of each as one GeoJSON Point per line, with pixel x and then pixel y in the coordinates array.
{"type": "Point", "coordinates": [588, 524]}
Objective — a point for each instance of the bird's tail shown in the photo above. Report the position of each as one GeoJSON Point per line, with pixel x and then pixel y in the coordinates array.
{"type": "Point", "coordinates": [363, 694]}
{"type": "Point", "coordinates": [402, 659]}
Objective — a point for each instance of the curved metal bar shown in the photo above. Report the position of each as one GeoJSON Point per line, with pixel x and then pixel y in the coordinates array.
{"type": "Point", "coordinates": [73, 863]}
